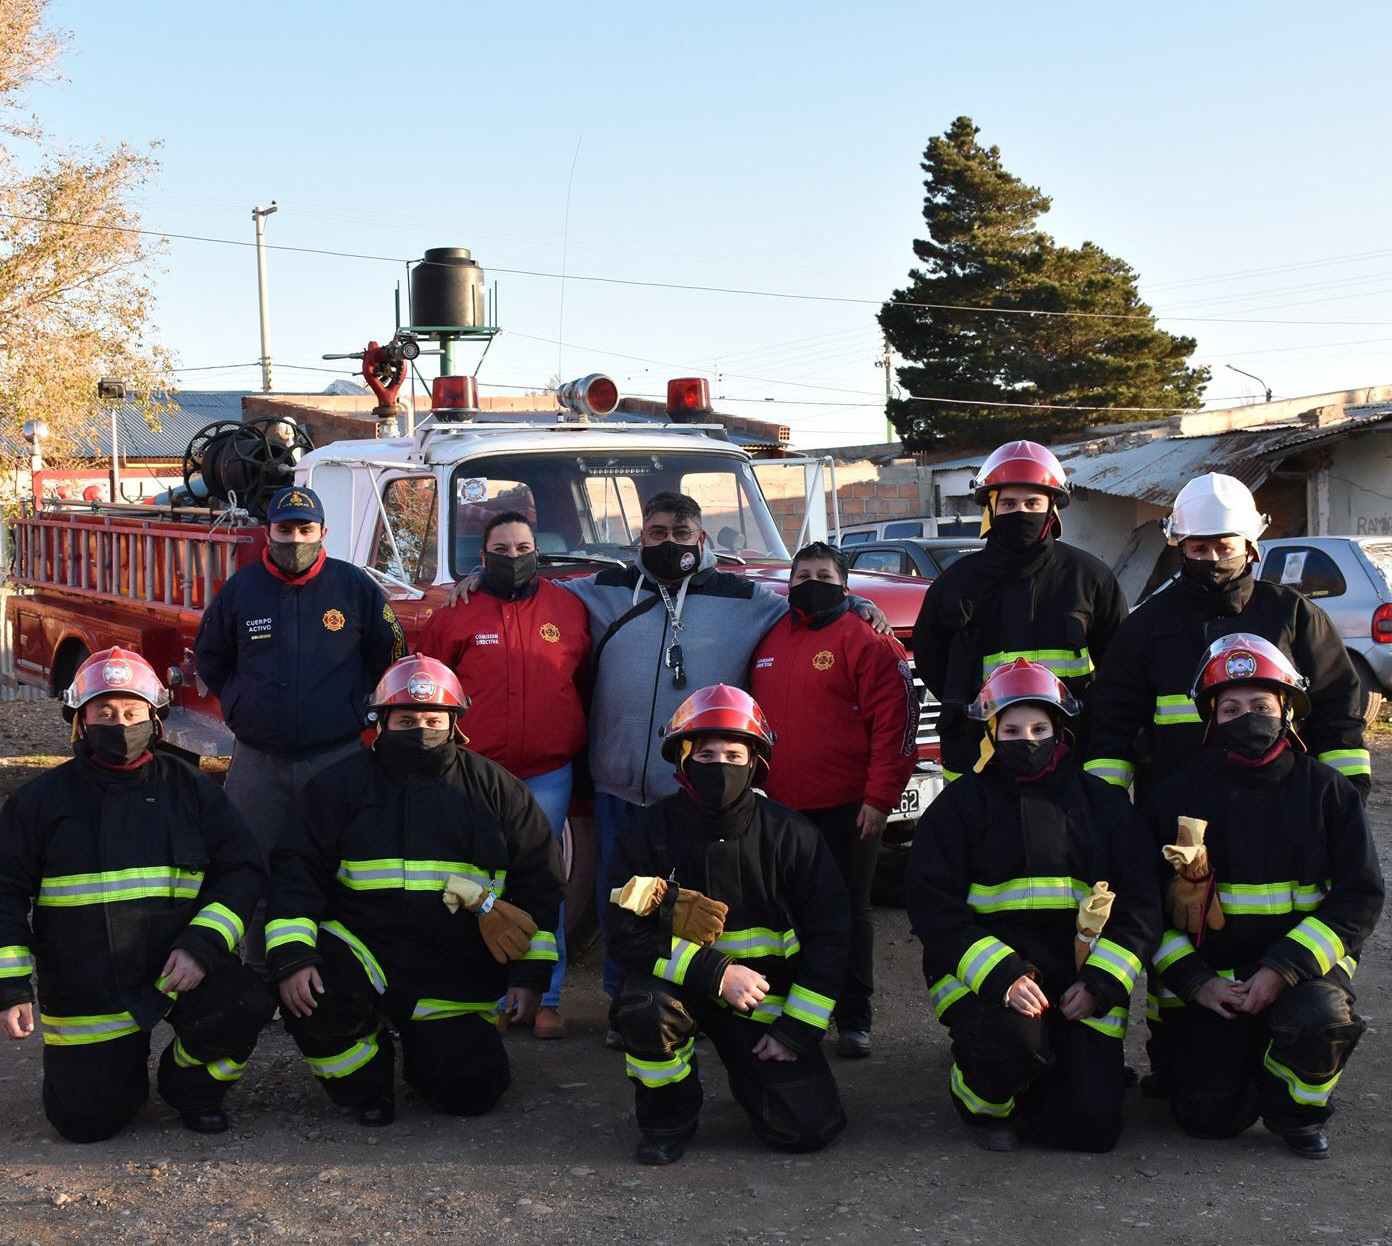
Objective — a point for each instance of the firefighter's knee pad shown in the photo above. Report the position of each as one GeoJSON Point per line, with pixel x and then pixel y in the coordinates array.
{"type": "Point", "coordinates": [800, 1116]}
{"type": "Point", "coordinates": [650, 1017]}
{"type": "Point", "coordinates": [340, 1014]}
{"type": "Point", "coordinates": [236, 1007]}
{"type": "Point", "coordinates": [1315, 1009]}
{"type": "Point", "coordinates": [1209, 1114]}
{"type": "Point", "coordinates": [459, 1096]}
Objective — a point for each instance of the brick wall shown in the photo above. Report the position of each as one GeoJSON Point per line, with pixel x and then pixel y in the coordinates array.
{"type": "Point", "coordinates": [860, 501]}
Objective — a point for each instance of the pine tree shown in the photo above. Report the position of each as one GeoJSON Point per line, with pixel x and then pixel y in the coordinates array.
{"type": "Point", "coordinates": [984, 249]}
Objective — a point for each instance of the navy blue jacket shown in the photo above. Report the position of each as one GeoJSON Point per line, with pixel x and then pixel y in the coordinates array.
{"type": "Point", "coordinates": [294, 661]}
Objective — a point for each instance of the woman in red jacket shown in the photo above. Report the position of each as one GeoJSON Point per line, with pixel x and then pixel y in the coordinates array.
{"type": "Point", "coordinates": [521, 649]}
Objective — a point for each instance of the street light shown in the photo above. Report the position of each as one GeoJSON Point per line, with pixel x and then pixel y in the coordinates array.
{"type": "Point", "coordinates": [1258, 379]}
{"type": "Point", "coordinates": [258, 216]}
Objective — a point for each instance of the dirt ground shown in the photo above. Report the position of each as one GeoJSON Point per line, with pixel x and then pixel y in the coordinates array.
{"type": "Point", "coordinates": [554, 1161]}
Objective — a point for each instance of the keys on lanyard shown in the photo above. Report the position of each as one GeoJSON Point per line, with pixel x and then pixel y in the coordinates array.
{"type": "Point", "coordinates": [673, 659]}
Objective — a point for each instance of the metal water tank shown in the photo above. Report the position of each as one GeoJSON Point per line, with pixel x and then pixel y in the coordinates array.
{"type": "Point", "coordinates": [447, 290]}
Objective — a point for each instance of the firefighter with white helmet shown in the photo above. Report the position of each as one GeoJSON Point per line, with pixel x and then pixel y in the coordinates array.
{"type": "Point", "coordinates": [127, 879]}
{"type": "Point", "coordinates": [1274, 887]}
{"type": "Point", "coordinates": [1031, 887]}
{"type": "Point", "coordinates": [386, 908]}
{"type": "Point", "coordinates": [1026, 594]}
{"type": "Point", "coordinates": [727, 915]}
{"type": "Point", "coordinates": [1145, 724]}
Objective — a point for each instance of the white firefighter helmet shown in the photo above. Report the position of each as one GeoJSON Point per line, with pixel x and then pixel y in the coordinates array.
{"type": "Point", "coordinates": [1215, 505]}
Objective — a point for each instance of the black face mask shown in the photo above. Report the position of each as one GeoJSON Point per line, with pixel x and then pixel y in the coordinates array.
{"type": "Point", "coordinates": [509, 573]}
{"type": "Point", "coordinates": [716, 784]}
{"type": "Point", "coordinates": [1249, 735]}
{"type": "Point", "coordinates": [1019, 531]}
{"type": "Point", "coordinates": [294, 557]}
{"type": "Point", "coordinates": [118, 745]}
{"type": "Point", "coordinates": [1025, 758]}
{"type": "Point", "coordinates": [814, 596]}
{"type": "Point", "coordinates": [1210, 576]}
{"type": "Point", "coordinates": [670, 561]}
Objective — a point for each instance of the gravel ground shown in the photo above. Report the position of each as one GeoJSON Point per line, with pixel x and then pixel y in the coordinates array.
{"type": "Point", "coordinates": [554, 1160]}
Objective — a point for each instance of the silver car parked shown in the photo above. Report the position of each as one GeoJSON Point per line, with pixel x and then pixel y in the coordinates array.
{"type": "Point", "coordinates": [1351, 579]}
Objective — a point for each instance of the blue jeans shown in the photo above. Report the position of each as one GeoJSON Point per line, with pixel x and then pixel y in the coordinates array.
{"type": "Point", "coordinates": [552, 792]}
{"type": "Point", "coordinates": [611, 815]}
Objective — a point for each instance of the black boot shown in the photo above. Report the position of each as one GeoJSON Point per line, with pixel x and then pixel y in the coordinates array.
{"type": "Point", "coordinates": [1309, 1143]}
{"type": "Point", "coordinates": [208, 1121]}
{"type": "Point", "coordinates": [380, 1110]}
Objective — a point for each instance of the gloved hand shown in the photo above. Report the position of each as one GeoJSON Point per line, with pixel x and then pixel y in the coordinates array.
{"type": "Point", "coordinates": [507, 930]}
{"type": "Point", "coordinates": [697, 918]}
{"type": "Point", "coordinates": [1093, 911]}
{"type": "Point", "coordinates": [1193, 905]}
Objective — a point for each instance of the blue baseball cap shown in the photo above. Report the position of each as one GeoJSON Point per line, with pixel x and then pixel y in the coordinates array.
{"type": "Point", "coordinates": [296, 502]}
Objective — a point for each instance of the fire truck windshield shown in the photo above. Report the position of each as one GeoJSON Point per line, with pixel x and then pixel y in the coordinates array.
{"type": "Point", "coordinates": [591, 504]}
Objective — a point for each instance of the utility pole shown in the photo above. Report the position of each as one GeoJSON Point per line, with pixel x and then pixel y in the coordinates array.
{"type": "Point", "coordinates": [259, 215]}
{"type": "Point", "coordinates": [887, 363]}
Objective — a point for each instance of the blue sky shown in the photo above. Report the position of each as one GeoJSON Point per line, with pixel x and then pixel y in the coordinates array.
{"type": "Point", "coordinates": [1234, 154]}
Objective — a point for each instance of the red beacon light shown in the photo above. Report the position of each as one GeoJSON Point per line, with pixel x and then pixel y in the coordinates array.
{"type": "Point", "coordinates": [688, 395]}
{"type": "Point", "coordinates": [454, 393]}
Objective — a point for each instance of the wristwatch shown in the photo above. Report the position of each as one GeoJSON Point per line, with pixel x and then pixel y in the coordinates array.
{"type": "Point", "coordinates": [486, 906]}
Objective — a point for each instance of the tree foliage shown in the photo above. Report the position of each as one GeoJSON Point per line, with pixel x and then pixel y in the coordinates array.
{"type": "Point", "coordinates": [985, 249]}
{"type": "Point", "coordinates": [75, 301]}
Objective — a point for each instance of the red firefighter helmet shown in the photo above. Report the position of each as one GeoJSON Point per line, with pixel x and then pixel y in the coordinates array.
{"type": "Point", "coordinates": [1023, 463]}
{"type": "Point", "coordinates": [1021, 680]}
{"type": "Point", "coordinates": [418, 683]}
{"type": "Point", "coordinates": [115, 672]}
{"type": "Point", "coordinates": [718, 710]}
{"type": "Point", "coordinates": [1242, 658]}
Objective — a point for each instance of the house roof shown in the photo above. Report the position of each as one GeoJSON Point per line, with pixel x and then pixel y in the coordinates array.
{"type": "Point", "coordinates": [178, 420]}
{"type": "Point", "coordinates": [1154, 470]}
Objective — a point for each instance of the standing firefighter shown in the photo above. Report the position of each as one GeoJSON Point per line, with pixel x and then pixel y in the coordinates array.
{"type": "Point", "coordinates": [1031, 887]}
{"type": "Point", "coordinates": [141, 876]}
{"type": "Point", "coordinates": [729, 918]}
{"type": "Point", "coordinates": [1145, 724]}
{"type": "Point", "coordinates": [387, 909]}
{"type": "Point", "coordinates": [1027, 594]}
{"type": "Point", "coordinates": [1276, 886]}
{"type": "Point", "coordinates": [842, 703]}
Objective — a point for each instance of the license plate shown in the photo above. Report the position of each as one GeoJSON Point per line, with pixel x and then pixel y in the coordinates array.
{"type": "Point", "coordinates": [917, 796]}
{"type": "Point", "coordinates": [908, 803]}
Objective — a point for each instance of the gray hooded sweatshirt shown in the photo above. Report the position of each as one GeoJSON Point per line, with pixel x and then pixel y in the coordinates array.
{"type": "Point", "coordinates": [723, 618]}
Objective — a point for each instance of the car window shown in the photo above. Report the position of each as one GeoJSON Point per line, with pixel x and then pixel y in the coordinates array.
{"type": "Point", "coordinates": [879, 560]}
{"type": "Point", "coordinates": [1380, 555]}
{"type": "Point", "coordinates": [1310, 570]}
{"type": "Point", "coordinates": [856, 538]}
{"type": "Point", "coordinates": [946, 557]}
{"type": "Point", "coordinates": [909, 528]}
{"type": "Point", "coordinates": [409, 552]}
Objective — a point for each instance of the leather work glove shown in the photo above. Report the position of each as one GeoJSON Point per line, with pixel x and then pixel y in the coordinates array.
{"type": "Point", "coordinates": [1193, 905]}
{"type": "Point", "coordinates": [641, 895]}
{"type": "Point", "coordinates": [505, 928]}
{"type": "Point", "coordinates": [697, 918]}
{"type": "Point", "coordinates": [1188, 854]}
{"type": "Point", "coordinates": [1093, 911]}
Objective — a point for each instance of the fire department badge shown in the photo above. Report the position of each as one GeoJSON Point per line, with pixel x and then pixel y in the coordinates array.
{"type": "Point", "coordinates": [334, 620]}
{"type": "Point", "coordinates": [824, 661]}
{"type": "Point", "coordinates": [421, 688]}
{"type": "Point", "coordinates": [297, 499]}
{"type": "Point", "coordinates": [550, 633]}
{"type": "Point", "coordinates": [1241, 666]}
{"type": "Point", "coordinates": [116, 674]}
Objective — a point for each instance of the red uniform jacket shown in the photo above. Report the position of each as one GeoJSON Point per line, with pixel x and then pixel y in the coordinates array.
{"type": "Point", "coordinates": [840, 699]}
{"type": "Point", "coordinates": [523, 663]}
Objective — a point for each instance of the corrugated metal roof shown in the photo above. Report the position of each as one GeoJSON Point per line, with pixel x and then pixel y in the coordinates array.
{"type": "Point", "coordinates": [1154, 470]}
{"type": "Point", "coordinates": [184, 414]}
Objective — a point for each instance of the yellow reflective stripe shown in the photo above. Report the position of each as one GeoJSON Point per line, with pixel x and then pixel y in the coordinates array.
{"type": "Point", "coordinates": [1112, 1023]}
{"type": "Point", "coordinates": [16, 961]}
{"type": "Point", "coordinates": [979, 959]}
{"type": "Point", "coordinates": [804, 1004]}
{"type": "Point", "coordinates": [1348, 965]}
{"type": "Point", "coordinates": [223, 920]}
{"type": "Point", "coordinates": [1257, 899]}
{"type": "Point", "coordinates": [1065, 663]}
{"type": "Point", "coordinates": [1174, 945]}
{"type": "Point", "coordinates": [950, 776]}
{"type": "Point", "coordinates": [1027, 894]}
{"type": "Point", "coordinates": [678, 961]}
{"type": "Point", "coordinates": [1160, 1000]}
{"type": "Point", "coordinates": [345, 1063]}
{"type": "Point", "coordinates": [283, 930]}
{"type": "Point", "coordinates": [758, 941]}
{"type": "Point", "coordinates": [181, 1055]}
{"type": "Point", "coordinates": [1176, 709]}
{"type": "Point", "coordinates": [92, 1028]}
{"type": "Point", "coordinates": [1117, 961]}
{"type": "Point", "coordinates": [945, 992]}
{"type": "Point", "coordinates": [444, 1009]}
{"type": "Point", "coordinates": [145, 882]}
{"type": "Point", "coordinates": [400, 873]}
{"type": "Point", "coordinates": [374, 971]}
{"type": "Point", "coordinates": [1311, 1094]}
{"type": "Point", "coordinates": [974, 1103]}
{"type": "Point", "coordinates": [1321, 942]}
{"type": "Point", "coordinates": [654, 1073]}
{"type": "Point", "coordinates": [1115, 770]}
{"type": "Point", "coordinates": [224, 1069]}
{"type": "Point", "coordinates": [1348, 761]}
{"type": "Point", "coordinates": [542, 947]}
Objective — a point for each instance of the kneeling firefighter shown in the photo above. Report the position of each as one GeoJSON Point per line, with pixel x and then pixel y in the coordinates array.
{"type": "Point", "coordinates": [1275, 887]}
{"type": "Point", "coordinates": [128, 877]}
{"type": "Point", "coordinates": [729, 917]}
{"type": "Point", "coordinates": [386, 908]}
{"type": "Point", "coordinates": [1031, 887]}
